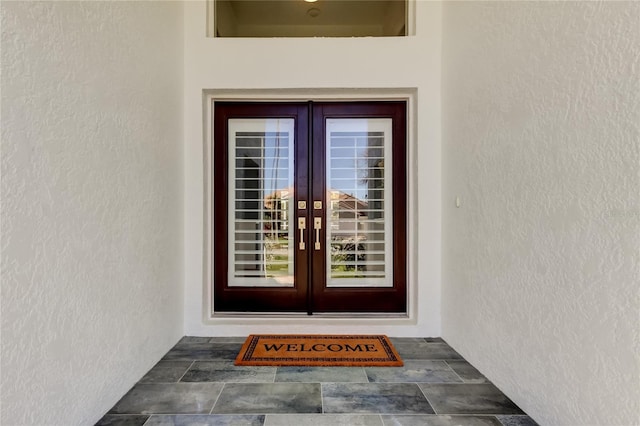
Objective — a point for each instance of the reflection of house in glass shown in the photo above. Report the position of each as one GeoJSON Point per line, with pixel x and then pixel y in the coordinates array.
{"type": "Point", "coordinates": [261, 232]}
{"type": "Point", "coordinates": [276, 211]}
{"type": "Point", "coordinates": [347, 212]}
{"type": "Point", "coordinates": [357, 236]}
{"type": "Point", "coordinates": [262, 240]}
{"type": "Point", "coordinates": [355, 230]}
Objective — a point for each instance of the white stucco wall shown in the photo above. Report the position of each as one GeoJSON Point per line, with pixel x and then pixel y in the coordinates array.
{"type": "Point", "coordinates": [91, 203]}
{"type": "Point", "coordinates": [541, 262]}
{"type": "Point", "coordinates": [337, 65]}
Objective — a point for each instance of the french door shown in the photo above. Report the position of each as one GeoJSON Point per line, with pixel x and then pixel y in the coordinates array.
{"type": "Point", "coordinates": [309, 207]}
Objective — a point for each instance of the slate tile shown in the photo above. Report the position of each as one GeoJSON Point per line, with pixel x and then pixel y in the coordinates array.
{"type": "Point", "coordinates": [420, 371]}
{"type": "Point", "coordinates": [434, 420]}
{"type": "Point", "coordinates": [122, 420]}
{"type": "Point", "coordinates": [194, 339]}
{"type": "Point", "coordinates": [206, 420]}
{"type": "Point", "coordinates": [169, 398]}
{"type": "Point", "coordinates": [235, 339]}
{"type": "Point", "coordinates": [321, 374]}
{"type": "Point", "coordinates": [203, 352]}
{"type": "Point", "coordinates": [166, 372]}
{"type": "Point", "coordinates": [468, 399]}
{"type": "Point", "coordinates": [225, 371]}
{"type": "Point", "coordinates": [421, 349]}
{"type": "Point", "coordinates": [322, 420]}
{"type": "Point", "coordinates": [467, 372]}
{"type": "Point", "coordinates": [517, 421]}
{"type": "Point", "coordinates": [269, 398]}
{"type": "Point", "coordinates": [388, 398]}
{"type": "Point", "coordinates": [408, 340]}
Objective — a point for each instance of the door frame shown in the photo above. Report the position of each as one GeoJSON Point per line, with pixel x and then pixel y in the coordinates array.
{"type": "Point", "coordinates": [408, 95]}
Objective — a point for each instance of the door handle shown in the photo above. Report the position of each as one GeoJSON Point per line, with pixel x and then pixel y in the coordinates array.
{"type": "Point", "coordinates": [317, 225]}
{"type": "Point", "coordinates": [302, 225]}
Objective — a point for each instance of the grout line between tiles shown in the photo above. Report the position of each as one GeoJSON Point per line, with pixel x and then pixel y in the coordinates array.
{"type": "Point", "coordinates": [427, 398]}
{"type": "Point", "coordinates": [217, 398]}
{"type": "Point", "coordinates": [185, 372]}
{"type": "Point", "coordinates": [366, 376]}
{"type": "Point", "coordinates": [455, 372]}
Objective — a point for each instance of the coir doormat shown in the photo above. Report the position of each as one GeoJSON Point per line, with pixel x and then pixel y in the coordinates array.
{"type": "Point", "coordinates": [318, 350]}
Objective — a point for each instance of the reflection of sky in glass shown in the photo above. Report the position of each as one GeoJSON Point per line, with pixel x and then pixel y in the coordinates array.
{"type": "Point", "coordinates": [352, 156]}
{"type": "Point", "coordinates": [271, 157]}
{"type": "Point", "coordinates": [355, 161]}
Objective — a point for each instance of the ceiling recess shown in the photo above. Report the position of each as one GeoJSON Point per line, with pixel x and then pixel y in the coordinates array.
{"type": "Point", "coordinates": [326, 18]}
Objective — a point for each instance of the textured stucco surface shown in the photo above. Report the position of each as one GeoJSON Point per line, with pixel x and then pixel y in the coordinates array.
{"type": "Point", "coordinates": [541, 135]}
{"type": "Point", "coordinates": [91, 203]}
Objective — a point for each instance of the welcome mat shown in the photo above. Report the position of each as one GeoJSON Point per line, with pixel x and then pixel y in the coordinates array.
{"type": "Point", "coordinates": [318, 350]}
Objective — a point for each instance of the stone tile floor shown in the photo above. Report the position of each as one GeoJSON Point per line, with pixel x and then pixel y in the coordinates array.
{"type": "Point", "coordinates": [196, 383]}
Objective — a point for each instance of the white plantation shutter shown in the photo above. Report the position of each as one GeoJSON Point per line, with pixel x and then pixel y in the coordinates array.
{"type": "Point", "coordinates": [359, 203]}
{"type": "Point", "coordinates": [261, 154]}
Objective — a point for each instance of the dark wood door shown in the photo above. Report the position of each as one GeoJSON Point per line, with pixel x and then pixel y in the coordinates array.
{"type": "Point", "coordinates": [309, 207]}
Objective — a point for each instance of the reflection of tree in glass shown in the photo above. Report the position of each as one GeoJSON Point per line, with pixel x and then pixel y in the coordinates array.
{"type": "Point", "coordinates": [371, 174]}
{"type": "Point", "coordinates": [345, 254]}
{"type": "Point", "coordinates": [371, 166]}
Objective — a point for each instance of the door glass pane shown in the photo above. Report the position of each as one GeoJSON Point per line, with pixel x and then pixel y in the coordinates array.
{"type": "Point", "coordinates": [359, 216]}
{"type": "Point", "coordinates": [261, 198]}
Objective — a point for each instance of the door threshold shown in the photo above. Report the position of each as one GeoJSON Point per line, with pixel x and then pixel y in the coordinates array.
{"type": "Point", "coordinates": [339, 315]}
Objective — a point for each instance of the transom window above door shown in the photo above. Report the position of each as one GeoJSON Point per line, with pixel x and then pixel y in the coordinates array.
{"type": "Point", "coordinates": [307, 18]}
{"type": "Point", "coordinates": [309, 207]}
